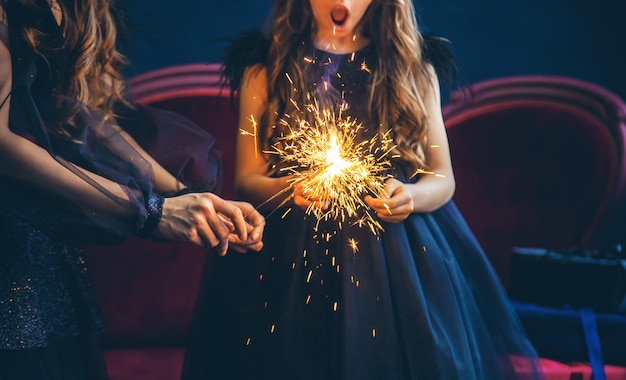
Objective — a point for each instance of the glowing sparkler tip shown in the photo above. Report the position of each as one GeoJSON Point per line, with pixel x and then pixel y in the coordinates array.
{"type": "Point", "coordinates": [333, 168]}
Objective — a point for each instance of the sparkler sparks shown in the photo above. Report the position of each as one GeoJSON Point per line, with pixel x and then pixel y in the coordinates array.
{"type": "Point", "coordinates": [330, 158]}
{"type": "Point", "coordinates": [354, 245]}
{"type": "Point", "coordinates": [332, 168]}
{"type": "Point", "coordinates": [254, 133]}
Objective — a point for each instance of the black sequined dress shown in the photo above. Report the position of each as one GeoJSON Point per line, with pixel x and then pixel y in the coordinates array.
{"type": "Point", "coordinates": [48, 311]}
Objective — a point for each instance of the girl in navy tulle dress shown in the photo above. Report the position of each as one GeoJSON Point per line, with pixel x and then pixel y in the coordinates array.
{"type": "Point", "coordinates": [332, 298]}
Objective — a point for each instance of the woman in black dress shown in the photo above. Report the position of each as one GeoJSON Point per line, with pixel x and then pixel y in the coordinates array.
{"type": "Point", "coordinates": [76, 167]}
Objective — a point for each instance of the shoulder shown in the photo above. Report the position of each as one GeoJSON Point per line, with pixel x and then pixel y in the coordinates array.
{"type": "Point", "coordinates": [430, 73]}
{"type": "Point", "coordinates": [255, 79]}
{"type": "Point", "coordinates": [255, 72]}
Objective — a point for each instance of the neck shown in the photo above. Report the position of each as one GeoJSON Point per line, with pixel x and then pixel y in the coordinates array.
{"type": "Point", "coordinates": [340, 44]}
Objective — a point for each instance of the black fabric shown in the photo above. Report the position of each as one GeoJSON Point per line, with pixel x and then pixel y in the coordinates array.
{"type": "Point", "coordinates": [578, 278]}
{"type": "Point", "coordinates": [71, 359]}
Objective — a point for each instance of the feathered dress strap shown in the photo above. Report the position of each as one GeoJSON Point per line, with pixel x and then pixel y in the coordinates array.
{"type": "Point", "coordinates": [438, 52]}
{"type": "Point", "coordinates": [251, 47]}
{"type": "Point", "coordinates": [244, 50]}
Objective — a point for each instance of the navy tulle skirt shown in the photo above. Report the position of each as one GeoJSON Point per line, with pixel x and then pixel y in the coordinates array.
{"type": "Point", "coordinates": [420, 301]}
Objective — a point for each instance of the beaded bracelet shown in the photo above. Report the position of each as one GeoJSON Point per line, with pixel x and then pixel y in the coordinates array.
{"type": "Point", "coordinates": [154, 207]}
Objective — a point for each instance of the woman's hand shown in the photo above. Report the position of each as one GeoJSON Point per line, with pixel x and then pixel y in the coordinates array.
{"type": "Point", "coordinates": [208, 220]}
{"type": "Point", "coordinates": [255, 224]}
{"type": "Point", "coordinates": [396, 205]}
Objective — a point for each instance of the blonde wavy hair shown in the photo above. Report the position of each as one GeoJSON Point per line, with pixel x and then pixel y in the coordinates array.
{"type": "Point", "coordinates": [396, 88]}
{"type": "Point", "coordinates": [90, 38]}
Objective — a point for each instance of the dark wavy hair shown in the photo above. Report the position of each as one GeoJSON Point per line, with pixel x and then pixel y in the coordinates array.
{"type": "Point", "coordinates": [90, 38]}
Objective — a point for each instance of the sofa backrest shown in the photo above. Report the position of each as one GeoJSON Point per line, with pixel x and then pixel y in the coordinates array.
{"type": "Point", "coordinates": [539, 162]}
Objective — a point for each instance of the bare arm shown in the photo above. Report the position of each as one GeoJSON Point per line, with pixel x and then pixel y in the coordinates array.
{"type": "Point", "coordinates": [251, 180]}
{"type": "Point", "coordinates": [432, 190]}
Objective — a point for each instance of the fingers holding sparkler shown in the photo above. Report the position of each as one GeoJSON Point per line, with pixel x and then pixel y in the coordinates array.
{"type": "Point", "coordinates": [394, 204]}
{"type": "Point", "coordinates": [253, 242]}
{"type": "Point", "coordinates": [207, 220]}
{"type": "Point", "coordinates": [255, 224]}
{"type": "Point", "coordinates": [220, 222]}
{"type": "Point", "coordinates": [245, 225]}
{"type": "Point", "coordinates": [193, 218]}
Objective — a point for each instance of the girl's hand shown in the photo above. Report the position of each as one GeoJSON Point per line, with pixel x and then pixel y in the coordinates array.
{"type": "Point", "coordinates": [395, 207]}
{"type": "Point", "coordinates": [306, 200]}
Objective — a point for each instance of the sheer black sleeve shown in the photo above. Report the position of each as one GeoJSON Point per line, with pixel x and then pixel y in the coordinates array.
{"type": "Point", "coordinates": [246, 49]}
{"type": "Point", "coordinates": [89, 184]}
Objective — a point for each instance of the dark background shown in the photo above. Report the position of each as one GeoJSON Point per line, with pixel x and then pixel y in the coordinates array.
{"type": "Point", "coordinates": [584, 39]}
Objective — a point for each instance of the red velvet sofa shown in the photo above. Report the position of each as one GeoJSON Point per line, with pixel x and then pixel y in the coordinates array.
{"type": "Point", "coordinates": [147, 290]}
{"type": "Point", "coordinates": [540, 162]}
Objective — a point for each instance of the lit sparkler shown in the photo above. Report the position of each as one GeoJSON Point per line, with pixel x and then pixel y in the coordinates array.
{"type": "Point", "coordinates": [330, 165]}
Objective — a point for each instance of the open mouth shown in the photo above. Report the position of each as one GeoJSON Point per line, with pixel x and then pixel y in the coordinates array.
{"type": "Point", "coordinates": [339, 15]}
